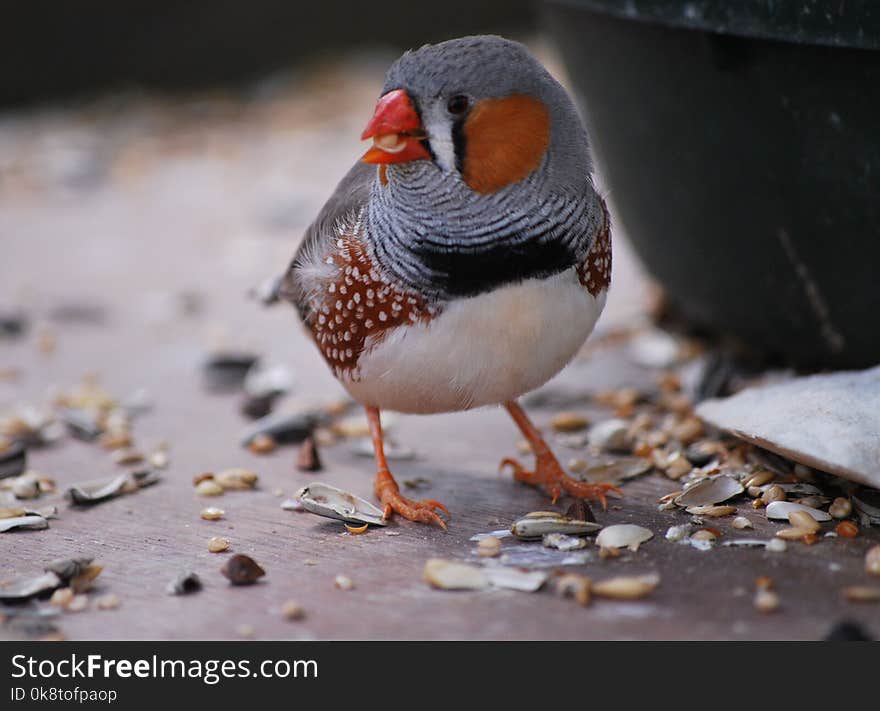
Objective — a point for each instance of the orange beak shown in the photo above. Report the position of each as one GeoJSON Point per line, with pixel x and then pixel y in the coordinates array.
{"type": "Point", "coordinates": [396, 130]}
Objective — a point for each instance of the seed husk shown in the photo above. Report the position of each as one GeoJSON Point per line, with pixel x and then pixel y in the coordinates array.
{"type": "Point", "coordinates": [98, 490]}
{"type": "Point", "coordinates": [450, 575]}
{"type": "Point", "coordinates": [325, 500]}
{"type": "Point", "coordinates": [218, 544]}
{"type": "Point", "coordinates": [26, 588]}
{"type": "Point", "coordinates": [569, 422]}
{"type": "Point", "coordinates": [710, 491]}
{"type": "Point", "coordinates": [623, 535]}
{"type": "Point", "coordinates": [212, 513]}
{"type": "Point", "coordinates": [711, 511]}
{"type": "Point", "coordinates": [803, 520]}
{"type": "Point", "coordinates": [766, 601]}
{"type": "Point", "coordinates": [872, 560]}
{"type": "Point", "coordinates": [840, 508]}
{"type": "Point", "coordinates": [225, 372]}
{"type": "Point", "coordinates": [184, 584]}
{"type": "Point", "coordinates": [292, 610]}
{"type": "Point", "coordinates": [759, 478]}
{"type": "Point", "coordinates": [285, 427]}
{"type": "Point", "coordinates": [704, 534]}
{"type": "Point", "coordinates": [78, 603]}
{"type": "Point", "coordinates": [67, 568]}
{"type": "Point", "coordinates": [781, 509]}
{"type": "Point", "coordinates": [509, 578]}
{"type": "Point", "coordinates": [862, 593]}
{"type": "Point", "coordinates": [677, 466]}
{"type": "Point", "coordinates": [489, 547]}
{"type": "Point", "coordinates": [209, 487]}
{"type": "Point", "coordinates": [242, 570]}
{"type": "Point", "coordinates": [356, 530]}
{"type": "Point", "coordinates": [626, 587]}
{"type": "Point", "coordinates": [561, 542]}
{"type": "Point", "coordinates": [847, 529]}
{"type": "Point", "coordinates": [127, 457]}
{"type": "Point", "coordinates": [580, 511]}
{"type": "Point", "coordinates": [741, 522]}
{"type": "Point", "coordinates": [307, 458]}
{"type": "Point", "coordinates": [535, 525]}
{"type": "Point", "coordinates": [82, 582]}
{"type": "Point", "coordinates": [158, 459]}
{"type": "Point", "coordinates": [262, 444]}
{"type": "Point", "coordinates": [27, 522]}
{"type": "Point", "coordinates": [576, 586]}
{"type": "Point", "coordinates": [343, 582]}
{"type": "Point", "coordinates": [776, 545]}
{"type": "Point", "coordinates": [116, 440]}
{"type": "Point", "coordinates": [236, 479]}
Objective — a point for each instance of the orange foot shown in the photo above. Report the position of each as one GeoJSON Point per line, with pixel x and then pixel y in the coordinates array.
{"type": "Point", "coordinates": [550, 473]}
{"type": "Point", "coordinates": [392, 501]}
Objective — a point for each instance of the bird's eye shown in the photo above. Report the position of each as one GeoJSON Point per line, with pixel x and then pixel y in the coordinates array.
{"type": "Point", "coordinates": [458, 104]}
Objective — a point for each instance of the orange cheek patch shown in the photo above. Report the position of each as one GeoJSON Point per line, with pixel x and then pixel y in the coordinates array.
{"type": "Point", "coordinates": [505, 140]}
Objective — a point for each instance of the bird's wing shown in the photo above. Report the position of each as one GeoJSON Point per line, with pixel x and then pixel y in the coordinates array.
{"type": "Point", "coordinates": [350, 196]}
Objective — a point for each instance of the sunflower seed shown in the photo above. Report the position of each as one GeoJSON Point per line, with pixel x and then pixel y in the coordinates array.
{"type": "Point", "coordinates": [780, 510]}
{"type": "Point", "coordinates": [840, 508]}
{"type": "Point", "coordinates": [449, 575]}
{"type": "Point", "coordinates": [710, 491]}
{"type": "Point", "coordinates": [623, 535]}
{"type": "Point", "coordinates": [535, 525]}
{"type": "Point", "coordinates": [626, 587]}
{"type": "Point", "coordinates": [184, 584]}
{"type": "Point", "coordinates": [326, 500]}
{"type": "Point", "coordinates": [576, 586]}
{"type": "Point", "coordinates": [242, 570]}
{"type": "Point", "coordinates": [218, 544]}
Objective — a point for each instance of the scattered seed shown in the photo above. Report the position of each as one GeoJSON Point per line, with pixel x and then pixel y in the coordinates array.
{"type": "Point", "coordinates": [872, 560]}
{"type": "Point", "coordinates": [626, 587]}
{"type": "Point", "coordinates": [357, 530]}
{"type": "Point", "coordinates": [343, 582]}
{"type": "Point", "coordinates": [763, 582]}
{"type": "Point", "coordinates": [82, 582]}
{"type": "Point", "coordinates": [107, 602]}
{"type": "Point", "coordinates": [115, 440]}
{"type": "Point", "coordinates": [710, 491]}
{"type": "Point", "coordinates": [449, 575]}
{"type": "Point", "coordinates": [237, 479]}
{"type": "Point", "coordinates": [741, 522]}
{"type": "Point", "coordinates": [127, 457]}
{"type": "Point", "coordinates": [208, 487]}
{"type": "Point", "coordinates": [184, 584]}
{"type": "Point", "coordinates": [218, 544]}
{"type": "Point", "coordinates": [580, 511]}
{"type": "Point", "coordinates": [766, 601]}
{"type": "Point", "coordinates": [780, 510]}
{"type": "Point", "coordinates": [792, 534]}
{"type": "Point", "coordinates": [623, 535]}
{"type": "Point", "coordinates": [285, 428]}
{"type": "Point", "coordinates": [759, 478]}
{"type": "Point", "coordinates": [158, 459]}
{"type": "Point", "coordinates": [776, 545]}
{"type": "Point", "coordinates": [211, 513]}
{"type": "Point", "coordinates": [307, 458]}
{"type": "Point", "coordinates": [704, 534]}
{"type": "Point", "coordinates": [773, 493]}
{"type": "Point", "coordinates": [576, 586]}
{"type": "Point", "coordinates": [61, 597]}
{"type": "Point", "coordinates": [535, 525]}
{"type": "Point", "coordinates": [292, 610]}
{"type": "Point", "coordinates": [569, 422]}
{"type": "Point", "coordinates": [78, 603]}
{"type": "Point", "coordinates": [862, 593]}
{"type": "Point", "coordinates": [204, 476]}
{"type": "Point", "coordinates": [523, 446]}
{"type": "Point", "coordinates": [840, 508]}
{"type": "Point", "coordinates": [245, 630]}
{"type": "Point", "coordinates": [242, 570]}
{"type": "Point", "coordinates": [262, 444]}
{"type": "Point", "coordinates": [489, 547]}
{"type": "Point", "coordinates": [561, 542]}
{"type": "Point", "coordinates": [677, 466]}
{"type": "Point", "coordinates": [847, 529]}
{"type": "Point", "coordinates": [326, 500]}
{"type": "Point", "coordinates": [256, 407]}
{"type": "Point", "coordinates": [803, 520]}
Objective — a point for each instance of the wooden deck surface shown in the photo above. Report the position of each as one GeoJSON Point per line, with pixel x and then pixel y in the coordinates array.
{"type": "Point", "coordinates": [155, 219]}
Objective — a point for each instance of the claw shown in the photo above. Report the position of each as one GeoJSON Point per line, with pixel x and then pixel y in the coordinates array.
{"type": "Point", "coordinates": [549, 473]}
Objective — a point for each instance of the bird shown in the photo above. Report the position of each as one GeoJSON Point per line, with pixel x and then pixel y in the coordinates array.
{"type": "Point", "coordinates": [465, 258]}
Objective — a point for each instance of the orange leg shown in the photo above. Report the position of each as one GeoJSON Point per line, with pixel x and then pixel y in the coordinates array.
{"type": "Point", "coordinates": [387, 489]}
{"type": "Point", "coordinates": [548, 471]}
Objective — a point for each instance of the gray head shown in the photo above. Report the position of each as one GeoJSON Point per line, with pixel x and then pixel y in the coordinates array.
{"type": "Point", "coordinates": [484, 107]}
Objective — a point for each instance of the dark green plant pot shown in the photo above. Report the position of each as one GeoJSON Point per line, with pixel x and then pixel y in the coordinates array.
{"type": "Point", "coordinates": [742, 150]}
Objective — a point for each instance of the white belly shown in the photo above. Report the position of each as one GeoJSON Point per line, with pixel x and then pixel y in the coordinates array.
{"type": "Point", "coordinates": [482, 350]}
